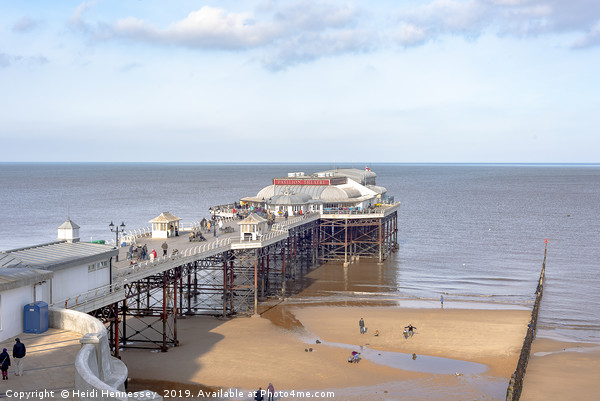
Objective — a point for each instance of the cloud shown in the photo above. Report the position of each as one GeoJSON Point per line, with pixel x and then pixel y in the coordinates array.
{"type": "Point", "coordinates": [129, 67]}
{"type": "Point", "coordinates": [290, 33]}
{"type": "Point", "coordinates": [76, 21]}
{"type": "Point", "coordinates": [25, 24]}
{"type": "Point", "coordinates": [592, 38]}
{"type": "Point", "coordinates": [312, 46]}
{"type": "Point", "coordinates": [8, 60]}
{"type": "Point", "coordinates": [207, 28]}
{"type": "Point", "coordinates": [5, 60]}
{"type": "Point", "coordinates": [417, 25]}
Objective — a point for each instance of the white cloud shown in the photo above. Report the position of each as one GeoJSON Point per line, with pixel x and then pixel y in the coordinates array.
{"type": "Point", "coordinates": [25, 24]}
{"type": "Point", "coordinates": [311, 46]}
{"type": "Point", "coordinates": [470, 18]}
{"type": "Point", "coordinates": [592, 38]}
{"type": "Point", "coordinates": [207, 28]}
{"type": "Point", "coordinates": [76, 19]}
{"type": "Point", "coordinates": [290, 33]}
{"type": "Point", "coordinates": [8, 60]}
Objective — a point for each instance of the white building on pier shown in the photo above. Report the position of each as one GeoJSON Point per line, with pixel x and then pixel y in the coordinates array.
{"type": "Point", "coordinates": [340, 189]}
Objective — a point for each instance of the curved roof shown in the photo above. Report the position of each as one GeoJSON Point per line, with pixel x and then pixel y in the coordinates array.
{"type": "Point", "coordinates": [290, 199]}
{"type": "Point", "coordinates": [266, 192]}
{"type": "Point", "coordinates": [377, 188]}
{"type": "Point", "coordinates": [300, 194]}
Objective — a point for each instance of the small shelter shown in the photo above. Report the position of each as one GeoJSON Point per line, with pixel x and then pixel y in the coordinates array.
{"type": "Point", "coordinates": [68, 231]}
{"type": "Point", "coordinates": [252, 227]}
{"type": "Point", "coordinates": [165, 225]}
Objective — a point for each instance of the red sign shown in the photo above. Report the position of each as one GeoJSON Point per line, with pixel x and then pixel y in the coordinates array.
{"type": "Point", "coordinates": [546, 241]}
{"type": "Point", "coordinates": [299, 182]}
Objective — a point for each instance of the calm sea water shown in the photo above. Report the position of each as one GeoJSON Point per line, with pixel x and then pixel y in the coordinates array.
{"type": "Point", "coordinates": [472, 232]}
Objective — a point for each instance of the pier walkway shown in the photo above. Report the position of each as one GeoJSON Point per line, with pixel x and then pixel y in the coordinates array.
{"type": "Point", "coordinates": [187, 252]}
{"type": "Point", "coordinates": [124, 272]}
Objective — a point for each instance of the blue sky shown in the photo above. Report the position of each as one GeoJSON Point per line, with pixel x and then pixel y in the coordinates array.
{"type": "Point", "coordinates": [277, 81]}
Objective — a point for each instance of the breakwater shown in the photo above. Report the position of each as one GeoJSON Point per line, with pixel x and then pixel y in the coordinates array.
{"type": "Point", "coordinates": [515, 385]}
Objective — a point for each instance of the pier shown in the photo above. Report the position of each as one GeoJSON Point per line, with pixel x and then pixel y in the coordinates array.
{"type": "Point", "coordinates": [231, 272]}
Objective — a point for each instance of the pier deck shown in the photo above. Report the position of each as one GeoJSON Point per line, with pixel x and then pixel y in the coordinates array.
{"type": "Point", "coordinates": [225, 273]}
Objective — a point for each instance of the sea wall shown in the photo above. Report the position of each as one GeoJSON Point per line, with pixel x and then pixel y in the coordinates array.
{"type": "Point", "coordinates": [98, 375]}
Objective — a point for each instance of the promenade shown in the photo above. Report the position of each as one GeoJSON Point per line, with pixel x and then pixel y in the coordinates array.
{"type": "Point", "coordinates": [48, 366]}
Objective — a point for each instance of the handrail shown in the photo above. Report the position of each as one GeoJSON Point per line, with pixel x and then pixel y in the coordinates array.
{"type": "Point", "coordinates": [278, 230]}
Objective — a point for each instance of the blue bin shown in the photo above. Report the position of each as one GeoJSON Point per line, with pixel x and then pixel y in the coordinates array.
{"type": "Point", "coordinates": [35, 317]}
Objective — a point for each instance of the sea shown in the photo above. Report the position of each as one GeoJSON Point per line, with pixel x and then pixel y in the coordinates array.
{"type": "Point", "coordinates": [474, 233]}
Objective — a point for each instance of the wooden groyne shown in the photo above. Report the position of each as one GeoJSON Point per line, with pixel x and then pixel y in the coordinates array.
{"type": "Point", "coordinates": [515, 385]}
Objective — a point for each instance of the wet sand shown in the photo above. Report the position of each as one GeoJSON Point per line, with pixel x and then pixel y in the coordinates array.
{"type": "Point", "coordinates": [248, 353]}
{"type": "Point", "coordinates": [562, 371]}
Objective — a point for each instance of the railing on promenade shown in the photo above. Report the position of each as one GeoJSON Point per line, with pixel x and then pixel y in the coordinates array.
{"type": "Point", "coordinates": [515, 386]}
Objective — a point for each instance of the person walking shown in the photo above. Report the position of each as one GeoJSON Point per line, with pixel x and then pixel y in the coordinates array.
{"type": "Point", "coordinates": [4, 364]}
{"type": "Point", "coordinates": [361, 325]}
{"type": "Point", "coordinates": [442, 301]}
{"type": "Point", "coordinates": [270, 392]}
{"type": "Point", "coordinates": [164, 246]}
{"type": "Point", "coordinates": [19, 354]}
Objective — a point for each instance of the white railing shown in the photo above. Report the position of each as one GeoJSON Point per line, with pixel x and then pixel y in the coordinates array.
{"type": "Point", "coordinates": [136, 271]}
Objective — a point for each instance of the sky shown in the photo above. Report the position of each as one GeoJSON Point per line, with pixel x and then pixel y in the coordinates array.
{"type": "Point", "coordinates": [406, 81]}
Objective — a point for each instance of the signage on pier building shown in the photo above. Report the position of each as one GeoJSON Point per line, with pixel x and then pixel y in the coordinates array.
{"type": "Point", "coordinates": [301, 181]}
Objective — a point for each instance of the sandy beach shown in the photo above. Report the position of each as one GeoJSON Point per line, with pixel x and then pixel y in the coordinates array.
{"type": "Point", "coordinates": [562, 371]}
{"type": "Point", "coordinates": [248, 353]}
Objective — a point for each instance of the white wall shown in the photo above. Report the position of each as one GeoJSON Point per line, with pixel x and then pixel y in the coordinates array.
{"type": "Point", "coordinates": [11, 310]}
{"type": "Point", "coordinates": [69, 282]}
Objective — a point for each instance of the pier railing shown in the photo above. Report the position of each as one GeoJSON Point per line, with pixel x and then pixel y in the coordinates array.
{"type": "Point", "coordinates": [515, 386]}
{"type": "Point", "coordinates": [114, 292]}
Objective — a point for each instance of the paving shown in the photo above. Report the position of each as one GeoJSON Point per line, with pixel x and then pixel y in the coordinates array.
{"type": "Point", "coordinates": [49, 366]}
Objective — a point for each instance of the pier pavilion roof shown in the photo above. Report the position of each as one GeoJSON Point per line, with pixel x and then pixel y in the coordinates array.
{"type": "Point", "coordinates": [165, 217]}
{"type": "Point", "coordinates": [290, 199]}
{"type": "Point", "coordinates": [56, 255]}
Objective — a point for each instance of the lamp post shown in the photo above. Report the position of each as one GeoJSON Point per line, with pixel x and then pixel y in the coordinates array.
{"type": "Point", "coordinates": [115, 229]}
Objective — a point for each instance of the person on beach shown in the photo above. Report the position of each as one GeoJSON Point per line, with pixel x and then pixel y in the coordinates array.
{"type": "Point", "coordinates": [442, 301]}
{"type": "Point", "coordinates": [270, 392]}
{"type": "Point", "coordinates": [411, 329]}
{"type": "Point", "coordinates": [164, 246]}
{"type": "Point", "coordinates": [361, 326]}
{"type": "Point", "coordinates": [4, 364]}
{"type": "Point", "coordinates": [258, 396]}
{"type": "Point", "coordinates": [19, 354]}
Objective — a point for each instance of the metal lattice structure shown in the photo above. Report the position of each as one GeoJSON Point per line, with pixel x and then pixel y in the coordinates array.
{"type": "Point", "coordinates": [235, 280]}
{"type": "Point", "coordinates": [343, 239]}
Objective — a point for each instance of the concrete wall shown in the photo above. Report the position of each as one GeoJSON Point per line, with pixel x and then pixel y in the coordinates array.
{"type": "Point", "coordinates": [97, 372]}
